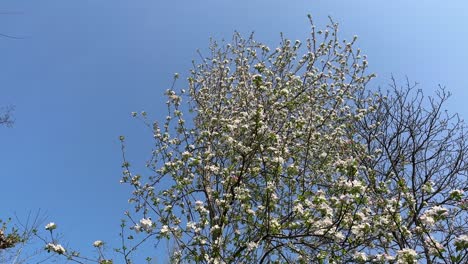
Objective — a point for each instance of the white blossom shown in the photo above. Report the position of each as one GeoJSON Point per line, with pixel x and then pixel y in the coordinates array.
{"type": "Point", "coordinates": [360, 256]}
{"type": "Point", "coordinates": [406, 256]}
{"type": "Point", "coordinates": [252, 245]}
{"type": "Point", "coordinates": [98, 243]}
{"type": "Point", "coordinates": [146, 224]}
{"type": "Point", "coordinates": [164, 230]}
{"type": "Point", "coordinates": [57, 248]}
{"type": "Point", "coordinates": [51, 226]}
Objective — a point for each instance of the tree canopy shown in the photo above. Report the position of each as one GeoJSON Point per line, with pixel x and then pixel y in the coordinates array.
{"type": "Point", "coordinates": [286, 155]}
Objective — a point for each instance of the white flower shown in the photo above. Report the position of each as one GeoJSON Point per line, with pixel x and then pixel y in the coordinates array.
{"type": "Point", "coordinates": [339, 236]}
{"type": "Point", "coordinates": [360, 256]}
{"type": "Point", "coordinates": [259, 66]}
{"type": "Point", "coordinates": [407, 256]}
{"type": "Point", "coordinates": [284, 91]}
{"type": "Point", "coordinates": [428, 187]}
{"type": "Point", "coordinates": [137, 228]}
{"type": "Point", "coordinates": [186, 154]}
{"type": "Point", "coordinates": [146, 224]}
{"type": "Point", "coordinates": [57, 248]}
{"type": "Point", "coordinates": [462, 238]}
{"type": "Point", "coordinates": [251, 246]}
{"type": "Point", "coordinates": [191, 225]}
{"type": "Point", "coordinates": [215, 228]}
{"type": "Point", "coordinates": [164, 230]}
{"type": "Point", "coordinates": [427, 220]}
{"type": "Point", "coordinates": [250, 211]}
{"type": "Point", "coordinates": [437, 212]}
{"type": "Point", "coordinates": [98, 243]}
{"type": "Point", "coordinates": [361, 229]}
{"type": "Point", "coordinates": [298, 208]}
{"type": "Point", "coordinates": [50, 226]}
{"type": "Point", "coordinates": [198, 204]}
{"type": "Point", "coordinates": [200, 208]}
{"type": "Point", "coordinates": [384, 257]}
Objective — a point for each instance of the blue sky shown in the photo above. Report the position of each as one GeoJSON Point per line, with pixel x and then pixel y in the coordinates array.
{"type": "Point", "coordinates": [81, 66]}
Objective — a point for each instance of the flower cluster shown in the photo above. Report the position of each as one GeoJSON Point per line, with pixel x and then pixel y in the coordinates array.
{"type": "Point", "coordinates": [57, 248]}
{"type": "Point", "coordinates": [407, 256]}
{"type": "Point", "coordinates": [145, 225]}
{"type": "Point", "coordinates": [434, 214]}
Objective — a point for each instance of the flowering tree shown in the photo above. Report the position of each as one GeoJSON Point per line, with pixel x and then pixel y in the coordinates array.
{"type": "Point", "coordinates": [270, 156]}
{"type": "Point", "coordinates": [267, 170]}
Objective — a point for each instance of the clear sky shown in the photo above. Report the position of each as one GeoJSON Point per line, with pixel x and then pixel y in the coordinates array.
{"type": "Point", "coordinates": [81, 66]}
